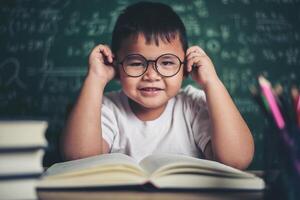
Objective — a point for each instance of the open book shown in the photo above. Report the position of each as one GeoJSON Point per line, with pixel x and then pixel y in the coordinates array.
{"type": "Point", "coordinates": [166, 171]}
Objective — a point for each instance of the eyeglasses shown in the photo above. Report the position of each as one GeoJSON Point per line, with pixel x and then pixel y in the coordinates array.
{"type": "Point", "coordinates": [135, 65]}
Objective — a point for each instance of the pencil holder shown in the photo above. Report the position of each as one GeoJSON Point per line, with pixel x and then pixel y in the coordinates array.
{"type": "Point", "coordinates": [286, 145]}
{"type": "Point", "coordinates": [271, 164]}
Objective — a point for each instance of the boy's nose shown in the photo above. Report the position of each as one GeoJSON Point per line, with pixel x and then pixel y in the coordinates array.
{"type": "Point", "coordinates": [151, 73]}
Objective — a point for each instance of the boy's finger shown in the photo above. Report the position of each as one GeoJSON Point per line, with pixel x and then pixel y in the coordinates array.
{"type": "Point", "coordinates": [109, 54]}
{"type": "Point", "coordinates": [189, 65]}
{"type": "Point", "coordinates": [100, 48]}
{"type": "Point", "coordinates": [197, 62]}
{"type": "Point", "coordinates": [194, 62]}
{"type": "Point", "coordinates": [192, 55]}
{"type": "Point", "coordinates": [195, 49]}
{"type": "Point", "coordinates": [195, 58]}
{"type": "Point", "coordinates": [191, 49]}
{"type": "Point", "coordinates": [106, 52]}
{"type": "Point", "coordinates": [190, 61]}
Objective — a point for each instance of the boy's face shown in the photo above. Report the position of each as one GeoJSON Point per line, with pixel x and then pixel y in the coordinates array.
{"type": "Point", "coordinates": [150, 91]}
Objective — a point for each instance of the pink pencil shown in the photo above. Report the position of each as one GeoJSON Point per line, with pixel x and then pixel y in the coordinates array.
{"type": "Point", "coordinates": [267, 92]}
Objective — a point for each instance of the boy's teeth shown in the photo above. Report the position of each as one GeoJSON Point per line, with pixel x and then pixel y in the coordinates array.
{"type": "Point", "coordinates": [150, 89]}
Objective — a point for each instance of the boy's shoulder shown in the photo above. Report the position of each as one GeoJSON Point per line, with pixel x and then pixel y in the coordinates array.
{"type": "Point", "coordinates": [113, 98]}
{"type": "Point", "coordinates": [112, 94]}
{"type": "Point", "coordinates": [192, 93]}
{"type": "Point", "coordinates": [191, 99]}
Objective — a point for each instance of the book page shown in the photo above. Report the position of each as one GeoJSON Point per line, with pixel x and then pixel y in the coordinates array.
{"type": "Point", "coordinates": [161, 164]}
{"type": "Point", "coordinates": [104, 162]}
{"type": "Point", "coordinates": [16, 134]}
{"type": "Point", "coordinates": [190, 181]}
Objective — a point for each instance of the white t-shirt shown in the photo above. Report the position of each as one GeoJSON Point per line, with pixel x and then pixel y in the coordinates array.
{"type": "Point", "coordinates": [183, 128]}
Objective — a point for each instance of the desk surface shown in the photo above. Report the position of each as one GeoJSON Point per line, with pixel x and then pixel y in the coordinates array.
{"type": "Point", "coordinates": [135, 195]}
{"type": "Point", "coordinates": [142, 195]}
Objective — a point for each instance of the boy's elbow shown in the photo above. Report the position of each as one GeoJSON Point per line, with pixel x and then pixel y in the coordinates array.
{"type": "Point", "coordinates": [238, 161]}
{"type": "Point", "coordinates": [240, 158]}
{"type": "Point", "coordinates": [69, 153]}
{"type": "Point", "coordinates": [75, 155]}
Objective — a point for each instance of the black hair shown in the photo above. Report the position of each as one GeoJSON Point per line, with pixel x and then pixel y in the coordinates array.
{"type": "Point", "coordinates": [154, 20]}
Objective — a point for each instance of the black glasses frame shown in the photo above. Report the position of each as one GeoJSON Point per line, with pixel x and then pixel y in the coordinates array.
{"type": "Point", "coordinates": [148, 61]}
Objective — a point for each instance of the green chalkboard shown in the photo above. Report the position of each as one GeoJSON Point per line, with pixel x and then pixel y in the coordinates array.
{"type": "Point", "coordinates": [45, 44]}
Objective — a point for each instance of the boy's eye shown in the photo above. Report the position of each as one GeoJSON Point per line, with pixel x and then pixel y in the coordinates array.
{"type": "Point", "coordinates": [168, 63]}
{"type": "Point", "coordinates": [135, 64]}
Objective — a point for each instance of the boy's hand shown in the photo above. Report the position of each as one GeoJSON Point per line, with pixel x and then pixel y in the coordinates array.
{"type": "Point", "coordinates": [200, 66]}
{"type": "Point", "coordinates": [101, 63]}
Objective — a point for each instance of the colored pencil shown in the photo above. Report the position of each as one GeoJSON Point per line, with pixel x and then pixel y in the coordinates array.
{"type": "Point", "coordinates": [295, 100]}
{"type": "Point", "coordinates": [260, 101]}
{"type": "Point", "coordinates": [282, 103]}
{"type": "Point", "coordinates": [267, 92]}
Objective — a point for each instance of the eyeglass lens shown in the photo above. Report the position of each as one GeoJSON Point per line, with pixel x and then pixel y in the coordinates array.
{"type": "Point", "coordinates": [166, 65]}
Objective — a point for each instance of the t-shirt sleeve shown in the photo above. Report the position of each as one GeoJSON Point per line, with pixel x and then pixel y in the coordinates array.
{"type": "Point", "coordinates": [108, 121]}
{"type": "Point", "coordinates": [199, 116]}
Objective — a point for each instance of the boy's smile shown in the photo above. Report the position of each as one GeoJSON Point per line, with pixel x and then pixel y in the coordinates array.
{"type": "Point", "coordinates": [150, 93]}
{"type": "Point", "coordinates": [149, 90]}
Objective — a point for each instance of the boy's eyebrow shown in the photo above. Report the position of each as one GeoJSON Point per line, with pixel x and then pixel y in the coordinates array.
{"type": "Point", "coordinates": [150, 58]}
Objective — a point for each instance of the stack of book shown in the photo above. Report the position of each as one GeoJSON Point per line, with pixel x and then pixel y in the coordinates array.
{"type": "Point", "coordinates": [22, 146]}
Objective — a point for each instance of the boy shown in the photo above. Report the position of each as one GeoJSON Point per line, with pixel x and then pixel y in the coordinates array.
{"type": "Point", "coordinates": [151, 114]}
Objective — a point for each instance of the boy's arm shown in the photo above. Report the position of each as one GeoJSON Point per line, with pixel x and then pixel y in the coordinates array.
{"type": "Point", "coordinates": [232, 142]}
{"type": "Point", "coordinates": [82, 135]}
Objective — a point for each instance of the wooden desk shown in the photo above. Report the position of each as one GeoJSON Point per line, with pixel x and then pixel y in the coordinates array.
{"type": "Point", "coordinates": [155, 195]}
{"type": "Point", "coordinates": [136, 195]}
